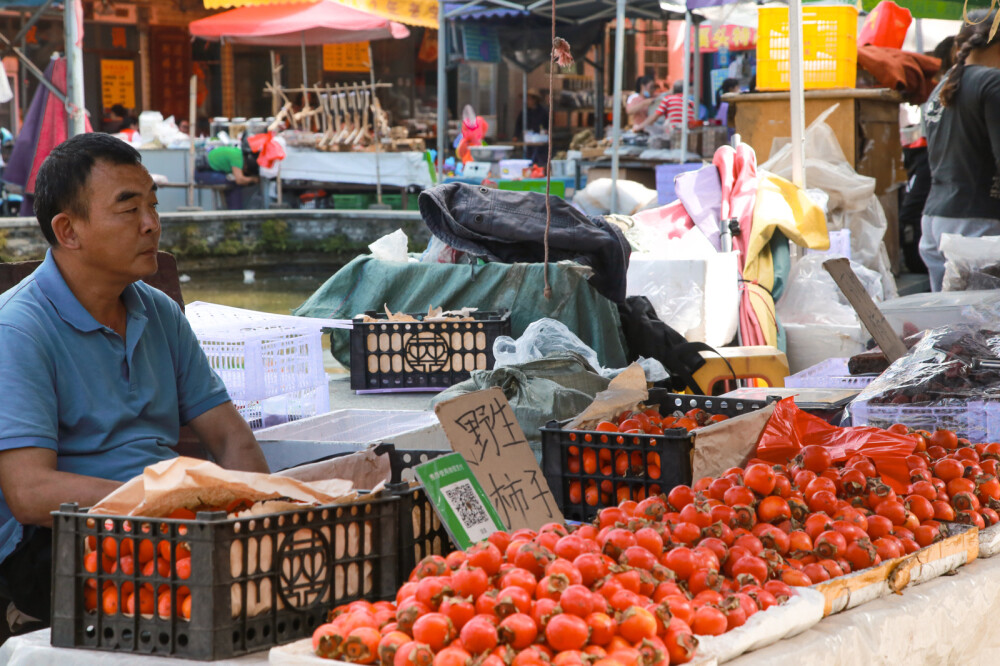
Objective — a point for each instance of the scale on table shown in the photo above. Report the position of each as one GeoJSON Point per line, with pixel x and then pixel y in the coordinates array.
{"type": "Point", "coordinates": [486, 161]}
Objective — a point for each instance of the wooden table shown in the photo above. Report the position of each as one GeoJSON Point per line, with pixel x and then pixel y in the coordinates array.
{"type": "Point", "coordinates": [866, 124]}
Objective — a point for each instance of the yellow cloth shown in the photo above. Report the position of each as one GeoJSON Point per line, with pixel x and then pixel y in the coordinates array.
{"type": "Point", "coordinates": [779, 205]}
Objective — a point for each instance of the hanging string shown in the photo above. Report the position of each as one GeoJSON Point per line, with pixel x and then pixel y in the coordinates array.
{"type": "Point", "coordinates": [562, 56]}
{"type": "Point", "coordinates": [547, 292]}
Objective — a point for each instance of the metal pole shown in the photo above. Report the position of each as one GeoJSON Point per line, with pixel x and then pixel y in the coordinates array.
{"type": "Point", "coordinates": [599, 90]}
{"type": "Point", "coordinates": [442, 92]}
{"type": "Point", "coordinates": [524, 107]}
{"type": "Point", "coordinates": [76, 123]}
{"type": "Point", "coordinates": [376, 109]}
{"type": "Point", "coordinates": [305, 78]}
{"type": "Point", "coordinates": [696, 54]}
{"type": "Point", "coordinates": [796, 93]}
{"type": "Point", "coordinates": [919, 34]}
{"type": "Point", "coordinates": [687, 88]}
{"type": "Point", "coordinates": [192, 111]}
{"type": "Point", "coordinates": [616, 113]}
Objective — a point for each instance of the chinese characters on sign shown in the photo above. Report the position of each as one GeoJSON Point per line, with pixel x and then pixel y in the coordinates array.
{"type": "Point", "coordinates": [118, 83]}
{"type": "Point", "coordinates": [482, 427]}
{"type": "Point", "coordinates": [726, 37]}
{"type": "Point", "coordinates": [346, 57]}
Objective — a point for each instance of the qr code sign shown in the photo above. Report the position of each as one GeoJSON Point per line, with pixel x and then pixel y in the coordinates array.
{"type": "Point", "coordinates": [465, 502]}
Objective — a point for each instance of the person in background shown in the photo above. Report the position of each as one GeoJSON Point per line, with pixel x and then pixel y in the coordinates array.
{"type": "Point", "coordinates": [98, 370]}
{"type": "Point", "coordinates": [538, 121]}
{"type": "Point", "coordinates": [638, 102]}
{"type": "Point", "coordinates": [184, 126]}
{"type": "Point", "coordinates": [227, 165]}
{"type": "Point", "coordinates": [116, 119]}
{"type": "Point", "coordinates": [918, 176]}
{"type": "Point", "coordinates": [672, 108]}
{"type": "Point", "coordinates": [963, 145]}
{"type": "Point", "coordinates": [202, 127]}
{"type": "Point", "coordinates": [725, 113]}
{"type": "Point", "coordinates": [130, 129]}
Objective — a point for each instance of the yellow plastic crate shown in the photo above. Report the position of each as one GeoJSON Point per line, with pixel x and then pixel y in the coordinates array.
{"type": "Point", "coordinates": [829, 47]}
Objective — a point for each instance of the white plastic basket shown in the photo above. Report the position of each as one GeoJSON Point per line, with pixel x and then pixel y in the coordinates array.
{"type": "Point", "coordinates": [831, 373]}
{"type": "Point", "coordinates": [256, 355]}
{"type": "Point", "coordinates": [280, 409]}
{"type": "Point", "coordinates": [974, 420]}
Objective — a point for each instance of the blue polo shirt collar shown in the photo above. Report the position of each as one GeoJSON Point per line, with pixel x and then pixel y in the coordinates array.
{"type": "Point", "coordinates": [53, 285]}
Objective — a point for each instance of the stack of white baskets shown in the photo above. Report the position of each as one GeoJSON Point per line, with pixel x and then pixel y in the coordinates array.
{"type": "Point", "coordinates": [271, 365]}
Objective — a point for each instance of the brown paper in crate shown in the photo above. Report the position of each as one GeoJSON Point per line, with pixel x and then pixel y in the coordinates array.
{"type": "Point", "coordinates": [189, 482]}
{"type": "Point", "coordinates": [366, 469]}
{"type": "Point", "coordinates": [433, 314]}
{"type": "Point", "coordinates": [624, 393]}
{"type": "Point", "coordinates": [729, 443]}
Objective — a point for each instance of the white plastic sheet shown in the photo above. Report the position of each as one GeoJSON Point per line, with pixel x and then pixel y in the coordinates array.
{"type": "Point", "coordinates": [852, 202]}
{"type": "Point", "coordinates": [965, 261]}
{"type": "Point", "coordinates": [800, 613]}
{"type": "Point", "coordinates": [812, 297]}
{"type": "Point", "coordinates": [548, 337]}
{"type": "Point", "coordinates": [948, 620]}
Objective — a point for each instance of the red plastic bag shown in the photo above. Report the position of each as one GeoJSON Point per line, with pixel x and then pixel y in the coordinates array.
{"type": "Point", "coordinates": [270, 151]}
{"type": "Point", "coordinates": [790, 429]}
{"type": "Point", "coordinates": [886, 25]}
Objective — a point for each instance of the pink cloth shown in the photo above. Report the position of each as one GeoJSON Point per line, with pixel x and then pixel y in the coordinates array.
{"type": "Point", "coordinates": [738, 171]}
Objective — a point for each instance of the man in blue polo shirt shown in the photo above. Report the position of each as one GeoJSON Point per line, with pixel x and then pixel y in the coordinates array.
{"type": "Point", "coordinates": [98, 371]}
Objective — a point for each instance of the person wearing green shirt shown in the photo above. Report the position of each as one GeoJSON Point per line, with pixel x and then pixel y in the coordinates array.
{"type": "Point", "coordinates": [226, 165]}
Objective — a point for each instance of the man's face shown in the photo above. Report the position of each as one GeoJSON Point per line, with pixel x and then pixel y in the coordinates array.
{"type": "Point", "coordinates": [121, 234]}
{"type": "Point", "coordinates": [532, 101]}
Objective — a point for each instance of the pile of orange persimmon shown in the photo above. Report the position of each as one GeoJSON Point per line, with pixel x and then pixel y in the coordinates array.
{"type": "Point", "coordinates": [637, 462]}
{"type": "Point", "coordinates": [149, 558]}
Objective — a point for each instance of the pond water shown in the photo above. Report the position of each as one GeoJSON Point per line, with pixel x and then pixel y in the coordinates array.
{"type": "Point", "coordinates": [274, 292]}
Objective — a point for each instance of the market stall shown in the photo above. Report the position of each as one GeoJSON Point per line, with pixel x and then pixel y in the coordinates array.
{"type": "Point", "coordinates": [340, 118]}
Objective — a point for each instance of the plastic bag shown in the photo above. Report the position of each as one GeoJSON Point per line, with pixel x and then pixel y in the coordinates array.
{"type": "Point", "coordinates": [547, 337]}
{"type": "Point", "coordinates": [790, 429]}
{"type": "Point", "coordinates": [852, 202]}
{"type": "Point", "coordinates": [970, 263]}
{"type": "Point", "coordinates": [812, 297]}
{"type": "Point", "coordinates": [941, 370]}
{"type": "Point", "coordinates": [439, 252]}
{"type": "Point", "coordinates": [391, 247]}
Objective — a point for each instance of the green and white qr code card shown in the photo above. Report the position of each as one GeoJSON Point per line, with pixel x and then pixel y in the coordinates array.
{"type": "Point", "coordinates": [459, 500]}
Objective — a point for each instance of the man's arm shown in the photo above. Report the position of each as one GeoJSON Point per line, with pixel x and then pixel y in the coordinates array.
{"type": "Point", "coordinates": [33, 487]}
{"type": "Point", "coordinates": [229, 439]}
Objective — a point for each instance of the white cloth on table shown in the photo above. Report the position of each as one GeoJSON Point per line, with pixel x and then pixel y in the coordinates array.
{"type": "Point", "coordinates": [396, 169]}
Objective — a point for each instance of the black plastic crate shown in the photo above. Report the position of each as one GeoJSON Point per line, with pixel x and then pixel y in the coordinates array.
{"type": "Point", "coordinates": [254, 582]}
{"type": "Point", "coordinates": [420, 356]}
{"type": "Point", "coordinates": [423, 534]}
{"type": "Point", "coordinates": [673, 448]}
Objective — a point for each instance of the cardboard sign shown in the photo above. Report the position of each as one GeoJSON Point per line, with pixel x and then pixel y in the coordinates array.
{"type": "Point", "coordinates": [459, 500]}
{"type": "Point", "coordinates": [481, 426]}
{"type": "Point", "coordinates": [118, 83]}
{"type": "Point", "coordinates": [873, 319]}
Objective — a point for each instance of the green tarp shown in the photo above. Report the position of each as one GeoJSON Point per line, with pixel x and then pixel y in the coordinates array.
{"type": "Point", "coordinates": [934, 9]}
{"type": "Point", "coordinates": [370, 284]}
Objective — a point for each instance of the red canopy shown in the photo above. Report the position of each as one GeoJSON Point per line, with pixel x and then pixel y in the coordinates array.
{"type": "Point", "coordinates": [325, 22]}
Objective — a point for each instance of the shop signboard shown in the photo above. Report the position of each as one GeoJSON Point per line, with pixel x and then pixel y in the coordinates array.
{"type": "Point", "coordinates": [351, 57]}
{"type": "Point", "coordinates": [726, 37]}
{"type": "Point", "coordinates": [480, 43]}
{"type": "Point", "coordinates": [117, 83]}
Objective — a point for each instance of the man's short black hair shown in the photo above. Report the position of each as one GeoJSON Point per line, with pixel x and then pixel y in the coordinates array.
{"type": "Point", "coordinates": [119, 110]}
{"type": "Point", "coordinates": [61, 179]}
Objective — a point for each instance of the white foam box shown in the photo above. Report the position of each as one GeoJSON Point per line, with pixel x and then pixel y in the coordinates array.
{"type": "Point", "coordinates": [810, 344]}
{"type": "Point", "coordinates": [321, 436]}
{"type": "Point", "coordinates": [715, 316]}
